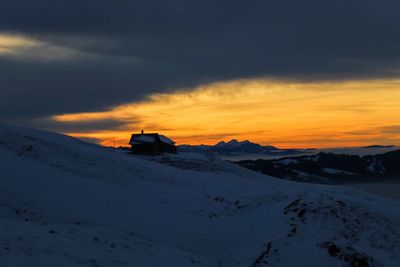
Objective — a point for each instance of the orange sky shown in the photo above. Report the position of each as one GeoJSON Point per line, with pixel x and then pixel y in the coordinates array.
{"type": "Point", "coordinates": [284, 114]}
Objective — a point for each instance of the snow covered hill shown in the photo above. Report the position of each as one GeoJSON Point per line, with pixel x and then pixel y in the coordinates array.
{"type": "Point", "coordinates": [64, 202]}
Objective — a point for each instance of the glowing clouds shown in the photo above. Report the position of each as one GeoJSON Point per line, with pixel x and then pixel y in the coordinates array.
{"type": "Point", "coordinates": [14, 44]}
{"type": "Point", "coordinates": [25, 48]}
{"type": "Point", "coordinates": [270, 112]}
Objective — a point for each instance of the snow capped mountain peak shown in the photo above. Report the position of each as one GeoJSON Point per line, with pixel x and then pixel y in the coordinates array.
{"type": "Point", "coordinates": [234, 142]}
{"type": "Point", "coordinates": [231, 147]}
{"type": "Point", "coordinates": [220, 144]}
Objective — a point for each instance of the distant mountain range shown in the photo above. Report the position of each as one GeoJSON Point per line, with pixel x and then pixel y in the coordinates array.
{"type": "Point", "coordinates": [235, 147]}
{"type": "Point", "coordinates": [331, 168]}
{"type": "Point", "coordinates": [328, 166]}
{"type": "Point", "coordinates": [235, 150]}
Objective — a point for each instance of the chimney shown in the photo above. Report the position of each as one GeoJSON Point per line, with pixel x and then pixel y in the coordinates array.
{"type": "Point", "coordinates": [142, 131]}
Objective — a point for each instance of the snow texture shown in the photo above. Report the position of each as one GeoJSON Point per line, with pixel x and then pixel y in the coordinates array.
{"type": "Point", "coordinates": [64, 202]}
{"type": "Point", "coordinates": [336, 171]}
{"type": "Point", "coordinates": [166, 140]}
{"type": "Point", "coordinates": [287, 162]}
{"type": "Point", "coordinates": [144, 138]}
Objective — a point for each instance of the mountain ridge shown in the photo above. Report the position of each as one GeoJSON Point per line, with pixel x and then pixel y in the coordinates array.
{"type": "Point", "coordinates": [231, 147]}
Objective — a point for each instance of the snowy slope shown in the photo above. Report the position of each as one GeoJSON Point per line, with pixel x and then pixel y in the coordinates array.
{"type": "Point", "coordinates": [64, 202]}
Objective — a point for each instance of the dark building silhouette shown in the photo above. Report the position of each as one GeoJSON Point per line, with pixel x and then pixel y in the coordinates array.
{"type": "Point", "coordinates": [151, 143]}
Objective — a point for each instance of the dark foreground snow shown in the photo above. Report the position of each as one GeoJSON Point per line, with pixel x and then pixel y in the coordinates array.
{"type": "Point", "coordinates": [68, 203]}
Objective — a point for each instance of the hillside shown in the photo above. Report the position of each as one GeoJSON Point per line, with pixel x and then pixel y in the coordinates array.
{"type": "Point", "coordinates": [331, 167]}
{"type": "Point", "coordinates": [64, 202]}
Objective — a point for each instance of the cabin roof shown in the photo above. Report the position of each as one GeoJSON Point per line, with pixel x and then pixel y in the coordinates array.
{"type": "Point", "coordinates": [165, 139]}
{"type": "Point", "coordinates": [149, 138]}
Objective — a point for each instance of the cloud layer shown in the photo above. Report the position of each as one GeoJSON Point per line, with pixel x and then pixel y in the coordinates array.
{"type": "Point", "coordinates": [93, 55]}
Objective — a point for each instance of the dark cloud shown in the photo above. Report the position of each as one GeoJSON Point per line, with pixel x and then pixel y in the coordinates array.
{"type": "Point", "coordinates": [390, 130]}
{"type": "Point", "coordinates": [387, 135]}
{"type": "Point", "coordinates": [129, 49]}
{"type": "Point", "coordinates": [84, 126]}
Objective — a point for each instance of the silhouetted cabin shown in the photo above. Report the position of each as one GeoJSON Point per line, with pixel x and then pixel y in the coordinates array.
{"type": "Point", "coordinates": [151, 143]}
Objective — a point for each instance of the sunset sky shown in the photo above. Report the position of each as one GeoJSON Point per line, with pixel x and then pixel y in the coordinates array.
{"type": "Point", "coordinates": [285, 73]}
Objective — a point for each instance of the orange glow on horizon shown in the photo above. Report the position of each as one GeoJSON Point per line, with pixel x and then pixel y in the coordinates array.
{"type": "Point", "coordinates": [284, 114]}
